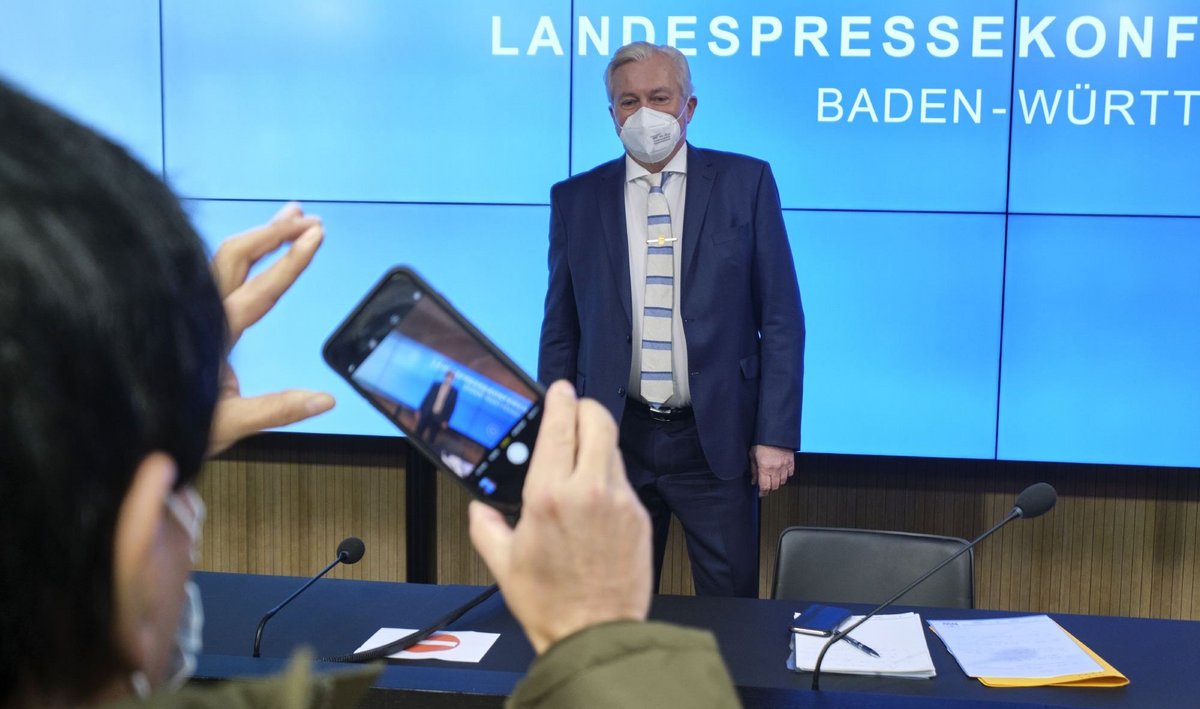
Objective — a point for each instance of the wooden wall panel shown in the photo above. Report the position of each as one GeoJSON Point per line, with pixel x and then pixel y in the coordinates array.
{"type": "Point", "coordinates": [282, 504]}
{"type": "Point", "coordinates": [457, 561]}
{"type": "Point", "coordinates": [1120, 542]}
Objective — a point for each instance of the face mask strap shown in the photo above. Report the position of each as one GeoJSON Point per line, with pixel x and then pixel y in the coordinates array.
{"type": "Point", "coordinates": [188, 638]}
{"type": "Point", "coordinates": [187, 507]}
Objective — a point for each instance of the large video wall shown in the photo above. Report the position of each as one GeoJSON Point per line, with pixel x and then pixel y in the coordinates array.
{"type": "Point", "coordinates": [994, 207]}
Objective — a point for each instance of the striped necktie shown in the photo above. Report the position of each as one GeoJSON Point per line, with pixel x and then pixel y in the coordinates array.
{"type": "Point", "coordinates": [657, 378]}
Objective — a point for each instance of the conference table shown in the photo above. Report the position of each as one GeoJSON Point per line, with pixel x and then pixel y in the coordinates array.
{"type": "Point", "coordinates": [334, 617]}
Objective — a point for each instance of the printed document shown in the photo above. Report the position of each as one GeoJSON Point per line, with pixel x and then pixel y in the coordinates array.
{"type": "Point", "coordinates": [1026, 647]}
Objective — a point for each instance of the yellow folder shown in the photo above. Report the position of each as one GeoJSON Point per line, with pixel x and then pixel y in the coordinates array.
{"type": "Point", "coordinates": [1109, 676]}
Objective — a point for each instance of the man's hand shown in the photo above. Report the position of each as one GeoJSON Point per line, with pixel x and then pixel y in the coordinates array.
{"type": "Point", "coordinates": [245, 303]}
{"type": "Point", "coordinates": [770, 467]}
{"type": "Point", "coordinates": [580, 554]}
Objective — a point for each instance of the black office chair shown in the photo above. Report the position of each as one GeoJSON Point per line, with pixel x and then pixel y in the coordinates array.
{"type": "Point", "coordinates": [867, 566]}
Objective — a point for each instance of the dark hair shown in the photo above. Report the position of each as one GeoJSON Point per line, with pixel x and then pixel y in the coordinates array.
{"type": "Point", "coordinates": [111, 341]}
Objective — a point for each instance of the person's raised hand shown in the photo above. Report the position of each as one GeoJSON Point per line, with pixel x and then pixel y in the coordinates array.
{"type": "Point", "coordinates": [580, 554]}
{"type": "Point", "coordinates": [246, 302]}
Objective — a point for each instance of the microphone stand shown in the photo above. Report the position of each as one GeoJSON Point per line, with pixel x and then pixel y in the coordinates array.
{"type": "Point", "coordinates": [342, 556]}
{"type": "Point", "coordinates": [1014, 514]}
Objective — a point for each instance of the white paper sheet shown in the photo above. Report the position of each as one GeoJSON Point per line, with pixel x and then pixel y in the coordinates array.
{"type": "Point", "coordinates": [451, 646]}
{"type": "Point", "coordinates": [1024, 647]}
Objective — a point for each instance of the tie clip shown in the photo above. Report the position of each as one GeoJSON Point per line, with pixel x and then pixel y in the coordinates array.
{"type": "Point", "coordinates": [661, 241]}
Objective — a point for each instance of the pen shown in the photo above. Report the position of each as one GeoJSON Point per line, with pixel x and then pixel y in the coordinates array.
{"type": "Point", "coordinates": [860, 646]}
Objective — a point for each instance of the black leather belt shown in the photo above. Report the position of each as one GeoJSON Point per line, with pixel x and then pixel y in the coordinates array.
{"type": "Point", "coordinates": [661, 413]}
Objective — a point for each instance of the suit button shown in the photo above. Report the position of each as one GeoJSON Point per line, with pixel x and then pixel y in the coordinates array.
{"type": "Point", "coordinates": [620, 391]}
{"type": "Point", "coordinates": [629, 338]}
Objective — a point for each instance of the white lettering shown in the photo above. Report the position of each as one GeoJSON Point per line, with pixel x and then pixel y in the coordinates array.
{"type": "Point", "coordinates": [1109, 106]}
{"type": "Point", "coordinates": [1073, 36]}
{"type": "Point", "coordinates": [850, 34]}
{"type": "Point", "coordinates": [897, 36]}
{"type": "Point", "coordinates": [813, 37]}
{"type": "Point", "coordinates": [1175, 35]}
{"type": "Point", "coordinates": [823, 103]}
{"type": "Point", "coordinates": [892, 29]}
{"type": "Point", "coordinates": [716, 29]}
{"type": "Point", "coordinates": [499, 50]}
{"type": "Point", "coordinates": [629, 22]}
{"type": "Point", "coordinates": [587, 31]}
{"type": "Point", "coordinates": [1128, 33]}
{"type": "Point", "coordinates": [862, 104]}
{"type": "Point", "coordinates": [1029, 36]}
{"type": "Point", "coordinates": [676, 33]}
{"type": "Point", "coordinates": [1187, 105]}
{"type": "Point", "coordinates": [1091, 99]}
{"type": "Point", "coordinates": [927, 104]}
{"type": "Point", "coordinates": [900, 106]}
{"type": "Point", "coordinates": [1154, 94]}
{"type": "Point", "coordinates": [1039, 102]}
{"type": "Point", "coordinates": [974, 110]}
{"type": "Point", "coordinates": [758, 37]}
{"type": "Point", "coordinates": [545, 36]}
{"type": "Point", "coordinates": [888, 115]}
{"type": "Point", "coordinates": [982, 35]}
{"type": "Point", "coordinates": [939, 29]}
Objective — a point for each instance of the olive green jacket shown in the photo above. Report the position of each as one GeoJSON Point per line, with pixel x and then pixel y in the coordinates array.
{"type": "Point", "coordinates": [298, 687]}
{"type": "Point", "coordinates": [621, 664]}
{"type": "Point", "coordinates": [628, 664]}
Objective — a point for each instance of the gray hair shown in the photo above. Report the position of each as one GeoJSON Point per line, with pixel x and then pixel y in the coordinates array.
{"type": "Point", "coordinates": [641, 51]}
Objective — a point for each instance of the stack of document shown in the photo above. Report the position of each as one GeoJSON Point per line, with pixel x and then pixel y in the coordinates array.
{"type": "Point", "coordinates": [899, 639]}
{"type": "Point", "coordinates": [1026, 651]}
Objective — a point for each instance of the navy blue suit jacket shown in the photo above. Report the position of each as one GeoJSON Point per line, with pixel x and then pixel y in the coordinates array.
{"type": "Point", "coordinates": [740, 303]}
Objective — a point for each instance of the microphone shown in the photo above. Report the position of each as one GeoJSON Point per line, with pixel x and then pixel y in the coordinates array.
{"type": "Point", "coordinates": [1034, 501]}
{"type": "Point", "coordinates": [350, 551]}
{"type": "Point", "coordinates": [352, 548]}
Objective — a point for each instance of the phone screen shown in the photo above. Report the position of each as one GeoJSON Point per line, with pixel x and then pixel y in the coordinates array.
{"type": "Point", "coordinates": [458, 398]}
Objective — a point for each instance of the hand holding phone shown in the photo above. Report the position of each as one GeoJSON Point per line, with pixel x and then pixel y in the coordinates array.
{"type": "Point", "coordinates": [460, 400]}
{"type": "Point", "coordinates": [576, 558]}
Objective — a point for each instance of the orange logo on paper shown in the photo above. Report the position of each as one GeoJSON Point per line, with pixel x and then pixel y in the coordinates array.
{"type": "Point", "coordinates": [438, 642]}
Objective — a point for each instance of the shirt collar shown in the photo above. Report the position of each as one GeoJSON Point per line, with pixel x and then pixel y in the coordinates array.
{"type": "Point", "coordinates": [678, 164]}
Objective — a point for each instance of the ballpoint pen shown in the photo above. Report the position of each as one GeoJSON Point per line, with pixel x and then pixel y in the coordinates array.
{"type": "Point", "coordinates": [860, 646]}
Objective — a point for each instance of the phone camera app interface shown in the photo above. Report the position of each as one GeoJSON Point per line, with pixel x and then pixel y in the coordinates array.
{"type": "Point", "coordinates": [439, 382]}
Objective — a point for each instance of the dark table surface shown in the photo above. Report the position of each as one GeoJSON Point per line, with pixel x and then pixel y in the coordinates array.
{"type": "Point", "coordinates": [1160, 657]}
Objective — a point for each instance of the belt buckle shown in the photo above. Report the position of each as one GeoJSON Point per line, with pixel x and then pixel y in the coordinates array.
{"type": "Point", "coordinates": [661, 413]}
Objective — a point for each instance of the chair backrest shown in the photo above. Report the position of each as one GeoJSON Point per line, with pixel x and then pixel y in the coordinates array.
{"type": "Point", "coordinates": [867, 566]}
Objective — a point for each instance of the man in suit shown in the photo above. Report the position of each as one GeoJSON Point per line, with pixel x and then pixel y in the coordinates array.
{"type": "Point", "coordinates": [436, 408]}
{"type": "Point", "coordinates": [673, 301]}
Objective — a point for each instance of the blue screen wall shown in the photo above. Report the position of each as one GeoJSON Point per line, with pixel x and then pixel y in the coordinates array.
{"type": "Point", "coordinates": [994, 206]}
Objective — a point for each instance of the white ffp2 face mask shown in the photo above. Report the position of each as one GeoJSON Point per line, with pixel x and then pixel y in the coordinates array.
{"type": "Point", "coordinates": [651, 135]}
{"type": "Point", "coordinates": [188, 639]}
{"type": "Point", "coordinates": [187, 508]}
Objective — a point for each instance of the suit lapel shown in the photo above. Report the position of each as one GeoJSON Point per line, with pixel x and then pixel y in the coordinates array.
{"type": "Point", "coordinates": [611, 198]}
{"type": "Point", "coordinates": [700, 178]}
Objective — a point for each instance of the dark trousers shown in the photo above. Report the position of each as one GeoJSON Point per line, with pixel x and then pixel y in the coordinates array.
{"type": "Point", "coordinates": [666, 467]}
{"type": "Point", "coordinates": [428, 429]}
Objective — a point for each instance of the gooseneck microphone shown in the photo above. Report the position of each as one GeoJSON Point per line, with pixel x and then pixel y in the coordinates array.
{"type": "Point", "coordinates": [1034, 501]}
{"type": "Point", "coordinates": [350, 551]}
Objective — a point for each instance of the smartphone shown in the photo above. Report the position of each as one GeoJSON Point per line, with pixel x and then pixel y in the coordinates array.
{"type": "Point", "coordinates": [460, 400]}
{"type": "Point", "coordinates": [820, 620]}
